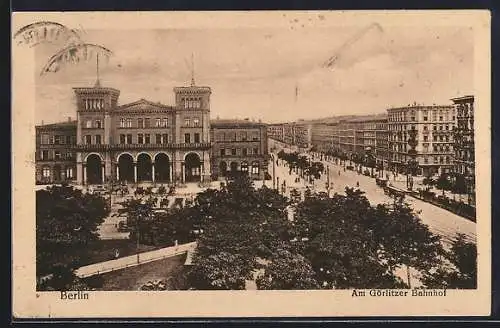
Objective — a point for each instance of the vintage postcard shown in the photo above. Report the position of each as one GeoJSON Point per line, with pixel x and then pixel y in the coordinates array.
{"type": "Point", "coordinates": [251, 164]}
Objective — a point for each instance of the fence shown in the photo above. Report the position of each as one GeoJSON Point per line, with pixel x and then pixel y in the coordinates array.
{"type": "Point", "coordinates": [131, 261]}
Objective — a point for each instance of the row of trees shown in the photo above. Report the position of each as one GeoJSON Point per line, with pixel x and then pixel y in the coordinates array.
{"type": "Point", "coordinates": [304, 167]}
{"type": "Point", "coordinates": [338, 242]}
{"type": "Point", "coordinates": [66, 225]}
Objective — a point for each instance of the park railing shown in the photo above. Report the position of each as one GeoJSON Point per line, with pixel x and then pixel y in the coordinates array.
{"type": "Point", "coordinates": [133, 260]}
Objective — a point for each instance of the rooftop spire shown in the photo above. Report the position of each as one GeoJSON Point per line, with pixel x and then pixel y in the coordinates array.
{"type": "Point", "coordinates": [192, 69]}
{"type": "Point", "coordinates": [97, 82]}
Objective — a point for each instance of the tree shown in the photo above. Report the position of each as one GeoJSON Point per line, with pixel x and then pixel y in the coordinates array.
{"type": "Point", "coordinates": [443, 183]}
{"type": "Point", "coordinates": [339, 243]}
{"type": "Point", "coordinates": [220, 271]}
{"type": "Point", "coordinates": [287, 271]}
{"type": "Point", "coordinates": [139, 217]}
{"type": "Point", "coordinates": [351, 244]}
{"type": "Point", "coordinates": [459, 271]}
{"type": "Point", "coordinates": [403, 239]}
{"type": "Point", "coordinates": [66, 224]}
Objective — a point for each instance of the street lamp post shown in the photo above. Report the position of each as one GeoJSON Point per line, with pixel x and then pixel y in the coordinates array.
{"type": "Point", "coordinates": [328, 179]}
{"type": "Point", "coordinates": [274, 171]}
{"type": "Point", "coordinates": [412, 163]}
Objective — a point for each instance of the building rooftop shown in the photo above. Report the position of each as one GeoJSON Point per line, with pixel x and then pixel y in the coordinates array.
{"type": "Point", "coordinates": [367, 118]}
{"type": "Point", "coordinates": [235, 122]}
{"type": "Point", "coordinates": [65, 124]}
{"type": "Point", "coordinates": [463, 98]}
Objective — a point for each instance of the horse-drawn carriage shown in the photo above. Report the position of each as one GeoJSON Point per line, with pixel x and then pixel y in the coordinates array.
{"type": "Point", "coordinates": [381, 182]}
{"type": "Point", "coordinates": [394, 191]}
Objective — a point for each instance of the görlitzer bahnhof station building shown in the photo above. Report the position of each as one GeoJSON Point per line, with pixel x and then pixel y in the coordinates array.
{"type": "Point", "coordinates": [142, 141]}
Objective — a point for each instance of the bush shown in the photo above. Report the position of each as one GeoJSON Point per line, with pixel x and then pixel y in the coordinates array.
{"type": "Point", "coordinates": [162, 190]}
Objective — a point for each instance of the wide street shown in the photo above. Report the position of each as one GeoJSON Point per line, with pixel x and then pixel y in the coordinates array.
{"type": "Point", "coordinates": [440, 221]}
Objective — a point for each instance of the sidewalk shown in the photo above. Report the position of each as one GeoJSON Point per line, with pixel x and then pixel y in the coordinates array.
{"type": "Point", "coordinates": [130, 261]}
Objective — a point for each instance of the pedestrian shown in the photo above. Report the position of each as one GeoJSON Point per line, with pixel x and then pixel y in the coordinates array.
{"type": "Point", "coordinates": [339, 172]}
{"type": "Point", "coordinates": [357, 184]}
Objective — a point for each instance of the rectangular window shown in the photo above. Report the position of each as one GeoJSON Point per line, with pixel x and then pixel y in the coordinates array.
{"type": "Point", "coordinates": [196, 121]}
{"type": "Point", "coordinates": [46, 172]}
{"type": "Point", "coordinates": [88, 139]}
{"type": "Point", "coordinates": [187, 122]}
{"type": "Point", "coordinates": [147, 138]}
{"type": "Point", "coordinates": [158, 122]}
{"type": "Point", "coordinates": [129, 138]}
{"type": "Point", "coordinates": [196, 138]}
{"type": "Point", "coordinates": [98, 139]}
{"type": "Point", "coordinates": [165, 122]}
{"type": "Point", "coordinates": [56, 140]}
{"type": "Point", "coordinates": [45, 154]}
{"type": "Point", "coordinates": [140, 123]}
{"type": "Point", "coordinates": [146, 122]}
{"type": "Point", "coordinates": [233, 151]}
{"type": "Point", "coordinates": [256, 151]}
{"type": "Point", "coordinates": [88, 124]}
{"type": "Point", "coordinates": [425, 118]}
{"type": "Point", "coordinates": [244, 152]}
{"type": "Point", "coordinates": [255, 137]}
{"type": "Point", "coordinates": [122, 138]}
{"type": "Point", "coordinates": [140, 138]}
{"type": "Point", "coordinates": [68, 140]}
{"type": "Point", "coordinates": [57, 155]}
{"type": "Point", "coordinates": [98, 124]}
{"type": "Point", "coordinates": [158, 138]}
{"type": "Point", "coordinates": [129, 122]}
{"type": "Point", "coordinates": [165, 138]}
{"type": "Point", "coordinates": [222, 152]}
{"type": "Point", "coordinates": [122, 123]}
{"type": "Point", "coordinates": [45, 139]}
{"type": "Point", "coordinates": [187, 138]}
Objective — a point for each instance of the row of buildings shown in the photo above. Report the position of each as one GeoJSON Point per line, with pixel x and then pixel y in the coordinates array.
{"type": "Point", "coordinates": [444, 137]}
{"type": "Point", "coordinates": [148, 141]}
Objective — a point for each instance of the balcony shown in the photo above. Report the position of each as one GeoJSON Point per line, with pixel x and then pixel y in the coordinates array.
{"type": "Point", "coordinates": [103, 147]}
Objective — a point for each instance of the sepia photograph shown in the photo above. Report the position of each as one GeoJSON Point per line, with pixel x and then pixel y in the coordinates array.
{"type": "Point", "coordinates": [234, 163]}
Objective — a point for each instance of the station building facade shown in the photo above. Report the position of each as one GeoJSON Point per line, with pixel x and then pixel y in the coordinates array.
{"type": "Point", "coordinates": [146, 141]}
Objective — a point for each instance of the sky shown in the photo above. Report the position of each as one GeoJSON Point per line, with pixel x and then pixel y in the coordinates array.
{"type": "Point", "coordinates": [272, 74]}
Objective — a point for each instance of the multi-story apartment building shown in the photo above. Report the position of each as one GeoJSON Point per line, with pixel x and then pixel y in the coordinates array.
{"type": "Point", "coordinates": [360, 136]}
{"type": "Point", "coordinates": [240, 146]}
{"type": "Point", "coordinates": [55, 157]}
{"type": "Point", "coordinates": [276, 131]}
{"type": "Point", "coordinates": [296, 134]}
{"type": "Point", "coordinates": [434, 135]}
{"type": "Point", "coordinates": [464, 147]}
{"type": "Point", "coordinates": [302, 134]}
{"type": "Point", "coordinates": [322, 136]}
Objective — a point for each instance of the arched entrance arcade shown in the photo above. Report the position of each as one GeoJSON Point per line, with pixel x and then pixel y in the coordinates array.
{"type": "Point", "coordinates": [94, 169]}
{"type": "Point", "coordinates": [192, 168]}
{"type": "Point", "coordinates": [162, 167]}
{"type": "Point", "coordinates": [126, 168]}
{"type": "Point", "coordinates": [144, 167]}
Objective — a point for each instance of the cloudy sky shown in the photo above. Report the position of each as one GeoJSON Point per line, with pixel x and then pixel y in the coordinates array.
{"type": "Point", "coordinates": [273, 74]}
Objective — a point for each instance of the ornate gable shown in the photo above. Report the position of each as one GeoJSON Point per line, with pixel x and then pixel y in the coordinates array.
{"type": "Point", "coordinates": [144, 106]}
